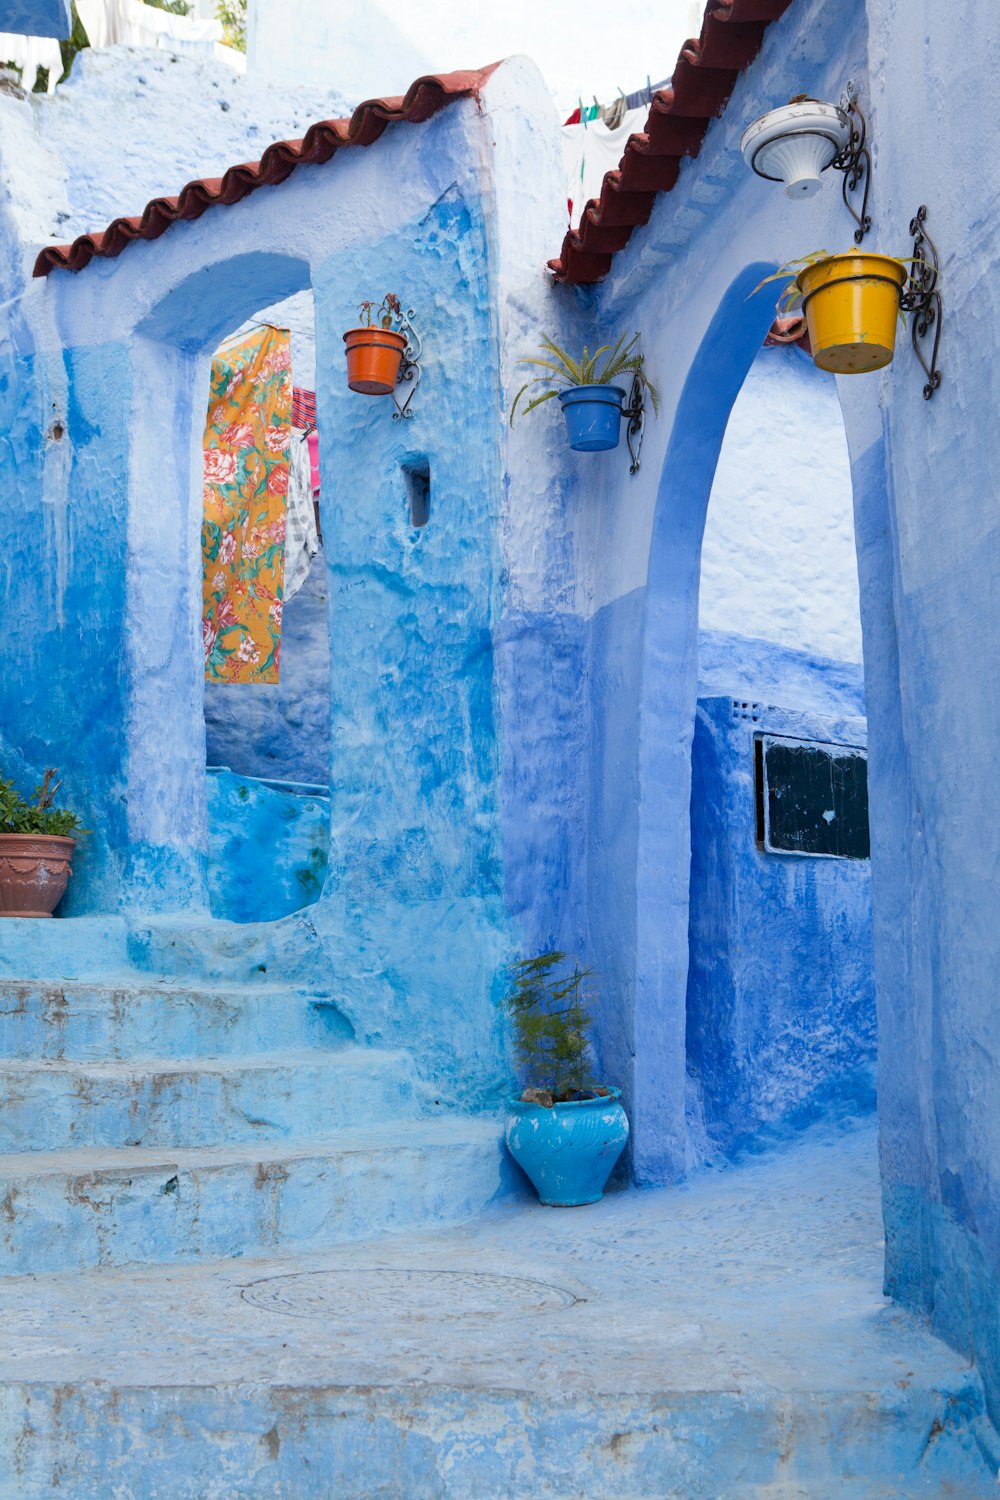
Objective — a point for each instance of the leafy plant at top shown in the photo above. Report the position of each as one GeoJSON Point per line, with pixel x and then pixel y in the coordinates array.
{"type": "Point", "coordinates": [233, 15]}
{"type": "Point", "coordinates": [791, 297]}
{"type": "Point", "coordinates": [18, 815]}
{"type": "Point", "coordinates": [623, 362]}
{"type": "Point", "coordinates": [381, 314]}
{"type": "Point", "coordinates": [551, 1023]}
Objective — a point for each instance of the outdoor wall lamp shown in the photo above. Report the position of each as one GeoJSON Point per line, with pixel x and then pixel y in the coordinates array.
{"type": "Point", "coordinates": [796, 143]}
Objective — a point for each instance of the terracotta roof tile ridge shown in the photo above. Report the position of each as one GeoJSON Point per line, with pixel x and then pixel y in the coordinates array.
{"type": "Point", "coordinates": [425, 96]}
{"type": "Point", "coordinates": [707, 69]}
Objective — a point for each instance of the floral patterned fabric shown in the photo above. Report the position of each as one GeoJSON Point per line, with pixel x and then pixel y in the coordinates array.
{"type": "Point", "coordinates": [246, 480]}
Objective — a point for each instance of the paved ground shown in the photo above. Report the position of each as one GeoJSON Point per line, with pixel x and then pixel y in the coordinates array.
{"type": "Point", "coordinates": [760, 1282]}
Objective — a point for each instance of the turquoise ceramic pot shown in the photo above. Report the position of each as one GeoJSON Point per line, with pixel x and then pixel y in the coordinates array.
{"type": "Point", "coordinates": [567, 1151]}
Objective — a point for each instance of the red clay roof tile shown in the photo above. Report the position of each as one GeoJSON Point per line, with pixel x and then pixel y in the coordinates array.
{"type": "Point", "coordinates": [706, 72]}
{"type": "Point", "coordinates": [422, 100]}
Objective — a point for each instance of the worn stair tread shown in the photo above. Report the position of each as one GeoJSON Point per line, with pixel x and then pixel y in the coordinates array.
{"type": "Point", "coordinates": [138, 982]}
{"type": "Point", "coordinates": [141, 1067]}
{"type": "Point", "coordinates": [422, 1133]}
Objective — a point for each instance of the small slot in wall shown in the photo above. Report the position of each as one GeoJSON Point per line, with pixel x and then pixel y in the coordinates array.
{"type": "Point", "coordinates": [417, 477]}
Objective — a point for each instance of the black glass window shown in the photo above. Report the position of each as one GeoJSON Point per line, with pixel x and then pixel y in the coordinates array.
{"type": "Point", "coordinates": [811, 798]}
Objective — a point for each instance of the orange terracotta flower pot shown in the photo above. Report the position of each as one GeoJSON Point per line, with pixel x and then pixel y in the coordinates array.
{"type": "Point", "coordinates": [34, 872]}
{"type": "Point", "coordinates": [374, 356]}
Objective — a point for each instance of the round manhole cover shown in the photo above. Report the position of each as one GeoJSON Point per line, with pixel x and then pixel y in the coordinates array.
{"type": "Point", "coordinates": [404, 1294]}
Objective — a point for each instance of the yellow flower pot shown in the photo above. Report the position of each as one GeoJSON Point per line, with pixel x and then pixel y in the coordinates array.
{"type": "Point", "coordinates": [851, 303]}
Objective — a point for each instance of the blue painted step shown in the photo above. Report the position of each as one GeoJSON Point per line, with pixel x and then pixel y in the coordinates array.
{"type": "Point", "coordinates": [64, 1210]}
{"type": "Point", "coordinates": [131, 1015]}
{"type": "Point", "coordinates": [48, 1106]}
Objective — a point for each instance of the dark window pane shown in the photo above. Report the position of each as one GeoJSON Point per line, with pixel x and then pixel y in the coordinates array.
{"type": "Point", "coordinates": [817, 799]}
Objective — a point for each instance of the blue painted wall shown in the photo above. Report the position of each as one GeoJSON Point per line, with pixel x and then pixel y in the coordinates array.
{"type": "Point", "coordinates": [781, 990]}
{"type": "Point", "coordinates": [281, 731]}
{"type": "Point", "coordinates": [63, 460]}
{"type": "Point", "coordinates": [267, 847]}
{"type": "Point", "coordinates": [36, 17]}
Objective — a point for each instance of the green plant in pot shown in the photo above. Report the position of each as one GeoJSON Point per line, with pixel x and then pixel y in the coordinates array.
{"type": "Point", "coordinates": [565, 1131]}
{"type": "Point", "coordinates": [376, 347]}
{"type": "Point", "coordinates": [587, 390]}
{"type": "Point", "coordinates": [36, 849]}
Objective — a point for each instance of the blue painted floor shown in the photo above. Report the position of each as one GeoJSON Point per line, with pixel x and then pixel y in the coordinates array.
{"type": "Point", "coordinates": [725, 1339]}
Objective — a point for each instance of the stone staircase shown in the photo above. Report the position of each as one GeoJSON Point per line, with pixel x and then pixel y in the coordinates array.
{"type": "Point", "coordinates": [212, 1113]}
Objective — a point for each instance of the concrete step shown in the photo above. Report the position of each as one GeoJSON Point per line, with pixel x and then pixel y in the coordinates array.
{"type": "Point", "coordinates": [416, 1441]}
{"type": "Point", "coordinates": [67, 947]}
{"type": "Point", "coordinates": [62, 1210]}
{"type": "Point", "coordinates": [131, 1015]}
{"type": "Point", "coordinates": [55, 1105]}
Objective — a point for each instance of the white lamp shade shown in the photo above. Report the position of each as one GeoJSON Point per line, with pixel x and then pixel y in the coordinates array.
{"type": "Point", "coordinates": [795, 144]}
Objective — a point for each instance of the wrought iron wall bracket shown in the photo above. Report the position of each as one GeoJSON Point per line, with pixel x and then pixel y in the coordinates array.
{"type": "Point", "coordinates": [855, 161]}
{"type": "Point", "coordinates": [635, 414]}
{"type": "Point", "coordinates": [922, 300]}
{"type": "Point", "coordinates": [409, 370]}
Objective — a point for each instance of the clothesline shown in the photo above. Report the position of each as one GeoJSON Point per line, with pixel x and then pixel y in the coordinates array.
{"type": "Point", "coordinates": [612, 113]}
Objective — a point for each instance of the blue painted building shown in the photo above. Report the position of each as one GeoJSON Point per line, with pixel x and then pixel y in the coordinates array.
{"type": "Point", "coordinates": [529, 742]}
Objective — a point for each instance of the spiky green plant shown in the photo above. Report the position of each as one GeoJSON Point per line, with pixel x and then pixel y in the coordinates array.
{"type": "Point", "coordinates": [623, 361]}
{"type": "Point", "coordinates": [551, 1022]}
{"type": "Point", "coordinates": [790, 299]}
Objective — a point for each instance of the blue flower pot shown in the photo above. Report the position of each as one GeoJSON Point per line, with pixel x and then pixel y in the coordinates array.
{"type": "Point", "coordinates": [567, 1151]}
{"type": "Point", "coordinates": [593, 416]}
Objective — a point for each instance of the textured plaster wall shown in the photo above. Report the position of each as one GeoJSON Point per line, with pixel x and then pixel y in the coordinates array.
{"type": "Point", "coordinates": [281, 731]}
{"type": "Point", "coordinates": [187, 117]}
{"type": "Point", "coordinates": [267, 847]}
{"type": "Point", "coordinates": [777, 559]}
{"type": "Point", "coordinates": [780, 992]}
{"type": "Point", "coordinates": [926, 477]}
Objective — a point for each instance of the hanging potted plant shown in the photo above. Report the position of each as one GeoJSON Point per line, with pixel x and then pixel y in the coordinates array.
{"type": "Point", "coordinates": [564, 1131]}
{"type": "Point", "coordinates": [36, 850]}
{"type": "Point", "coordinates": [851, 304]}
{"type": "Point", "coordinates": [375, 349]}
{"type": "Point", "coordinates": [590, 399]}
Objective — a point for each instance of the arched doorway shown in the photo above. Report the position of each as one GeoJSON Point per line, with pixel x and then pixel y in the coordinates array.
{"type": "Point", "coordinates": [267, 718]}
{"type": "Point", "coordinates": [780, 992]}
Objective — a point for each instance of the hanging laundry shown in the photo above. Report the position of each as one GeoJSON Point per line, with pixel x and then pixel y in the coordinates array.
{"type": "Point", "coordinates": [303, 408]}
{"type": "Point", "coordinates": [590, 151]}
{"type": "Point", "coordinates": [301, 536]}
{"type": "Point", "coordinates": [246, 449]}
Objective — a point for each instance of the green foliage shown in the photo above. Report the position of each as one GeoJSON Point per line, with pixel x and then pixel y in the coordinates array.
{"type": "Point", "coordinates": [790, 300]}
{"type": "Point", "coordinates": [382, 314]}
{"type": "Point", "coordinates": [551, 1023]}
{"type": "Point", "coordinates": [19, 815]}
{"type": "Point", "coordinates": [623, 362]}
{"type": "Point", "coordinates": [175, 7]}
{"type": "Point", "coordinates": [233, 15]}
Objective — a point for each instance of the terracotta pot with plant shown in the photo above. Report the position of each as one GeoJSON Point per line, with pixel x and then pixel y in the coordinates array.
{"type": "Point", "coordinates": [590, 399]}
{"type": "Point", "coordinates": [375, 349]}
{"type": "Point", "coordinates": [565, 1131]}
{"type": "Point", "coordinates": [36, 849]}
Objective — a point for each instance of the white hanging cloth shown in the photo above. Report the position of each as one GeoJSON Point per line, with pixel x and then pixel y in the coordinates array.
{"type": "Point", "coordinates": [301, 537]}
{"type": "Point", "coordinates": [109, 23]}
{"type": "Point", "coordinates": [31, 53]}
{"type": "Point", "coordinates": [591, 150]}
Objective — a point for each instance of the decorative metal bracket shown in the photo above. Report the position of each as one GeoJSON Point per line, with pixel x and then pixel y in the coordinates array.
{"type": "Point", "coordinates": [855, 161]}
{"type": "Point", "coordinates": [635, 412]}
{"type": "Point", "coordinates": [409, 370]}
{"type": "Point", "coordinates": [921, 298]}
